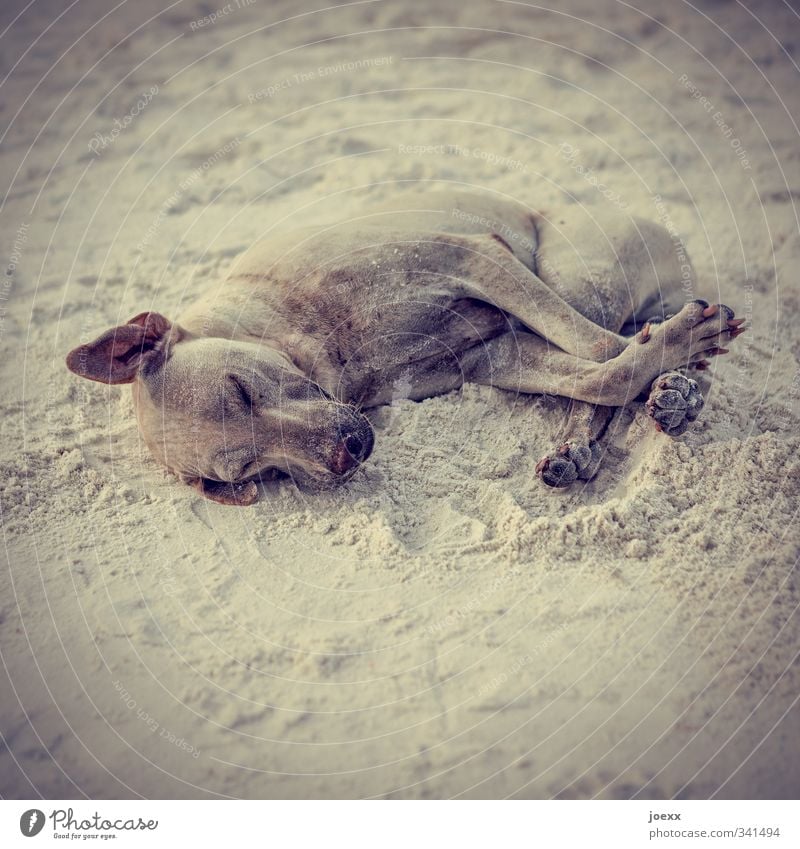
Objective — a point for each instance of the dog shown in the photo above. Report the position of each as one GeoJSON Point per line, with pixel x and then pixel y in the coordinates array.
{"type": "Point", "coordinates": [271, 370]}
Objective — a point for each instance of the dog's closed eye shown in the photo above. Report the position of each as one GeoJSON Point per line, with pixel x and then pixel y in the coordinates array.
{"type": "Point", "coordinates": [242, 392]}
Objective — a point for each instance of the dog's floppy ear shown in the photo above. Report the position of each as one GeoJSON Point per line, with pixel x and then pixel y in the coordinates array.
{"type": "Point", "coordinates": [117, 355]}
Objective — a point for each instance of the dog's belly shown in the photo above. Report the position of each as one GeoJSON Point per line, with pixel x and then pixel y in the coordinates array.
{"type": "Point", "coordinates": [413, 349]}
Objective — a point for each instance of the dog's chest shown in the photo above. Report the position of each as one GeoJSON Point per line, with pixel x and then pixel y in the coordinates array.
{"type": "Point", "coordinates": [373, 303]}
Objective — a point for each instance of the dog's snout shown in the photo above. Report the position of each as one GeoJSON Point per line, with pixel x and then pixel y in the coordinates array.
{"type": "Point", "coordinates": [354, 447]}
{"type": "Point", "coordinates": [343, 460]}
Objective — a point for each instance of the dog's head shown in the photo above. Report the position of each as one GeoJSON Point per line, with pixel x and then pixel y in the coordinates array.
{"type": "Point", "coordinates": [222, 413]}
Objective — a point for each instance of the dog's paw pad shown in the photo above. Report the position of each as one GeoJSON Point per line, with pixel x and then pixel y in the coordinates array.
{"type": "Point", "coordinates": [557, 471]}
{"type": "Point", "coordinates": [572, 461]}
{"type": "Point", "coordinates": [674, 402]}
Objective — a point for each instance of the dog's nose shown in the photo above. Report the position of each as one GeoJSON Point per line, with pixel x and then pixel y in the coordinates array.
{"type": "Point", "coordinates": [353, 449]}
{"type": "Point", "coordinates": [354, 445]}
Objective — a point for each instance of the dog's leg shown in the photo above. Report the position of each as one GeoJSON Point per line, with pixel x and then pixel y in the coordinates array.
{"type": "Point", "coordinates": [524, 362]}
{"type": "Point", "coordinates": [674, 402]}
{"type": "Point", "coordinates": [494, 275]}
{"type": "Point", "coordinates": [579, 453]}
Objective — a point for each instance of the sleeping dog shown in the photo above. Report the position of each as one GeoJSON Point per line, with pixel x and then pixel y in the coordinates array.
{"type": "Point", "coordinates": [271, 370]}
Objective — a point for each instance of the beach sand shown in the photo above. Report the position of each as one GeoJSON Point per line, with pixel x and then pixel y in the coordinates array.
{"type": "Point", "coordinates": [444, 625]}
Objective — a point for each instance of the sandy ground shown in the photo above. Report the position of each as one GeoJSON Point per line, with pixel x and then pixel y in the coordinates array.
{"type": "Point", "coordinates": [445, 625]}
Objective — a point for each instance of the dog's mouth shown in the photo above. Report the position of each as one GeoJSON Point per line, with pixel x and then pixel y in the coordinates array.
{"type": "Point", "coordinates": [330, 469]}
{"type": "Point", "coordinates": [319, 479]}
{"type": "Point", "coordinates": [314, 479]}
{"type": "Point", "coordinates": [312, 482]}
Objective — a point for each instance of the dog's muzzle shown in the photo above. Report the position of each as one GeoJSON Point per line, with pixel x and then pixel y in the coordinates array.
{"type": "Point", "coordinates": [355, 446]}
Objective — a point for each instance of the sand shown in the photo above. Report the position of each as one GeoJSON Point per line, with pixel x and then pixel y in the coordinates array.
{"type": "Point", "coordinates": [445, 625]}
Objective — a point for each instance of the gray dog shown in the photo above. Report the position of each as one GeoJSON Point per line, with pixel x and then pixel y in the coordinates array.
{"type": "Point", "coordinates": [269, 371]}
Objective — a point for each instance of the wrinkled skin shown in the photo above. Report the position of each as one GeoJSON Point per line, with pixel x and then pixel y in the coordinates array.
{"type": "Point", "coordinates": [269, 371]}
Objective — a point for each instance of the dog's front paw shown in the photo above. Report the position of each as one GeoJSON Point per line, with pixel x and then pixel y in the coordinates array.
{"type": "Point", "coordinates": [571, 462]}
{"type": "Point", "coordinates": [674, 401]}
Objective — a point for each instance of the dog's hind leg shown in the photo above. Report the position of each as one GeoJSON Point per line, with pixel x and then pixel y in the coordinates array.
{"type": "Point", "coordinates": [612, 267]}
{"type": "Point", "coordinates": [579, 453]}
{"type": "Point", "coordinates": [524, 362]}
{"type": "Point", "coordinates": [592, 275]}
{"type": "Point", "coordinates": [608, 268]}
{"type": "Point", "coordinates": [484, 268]}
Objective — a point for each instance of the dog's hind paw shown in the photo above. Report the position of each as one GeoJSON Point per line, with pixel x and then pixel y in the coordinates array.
{"type": "Point", "coordinates": [674, 402]}
{"type": "Point", "coordinates": [571, 462]}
